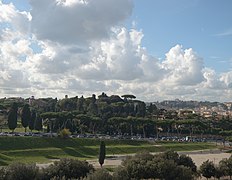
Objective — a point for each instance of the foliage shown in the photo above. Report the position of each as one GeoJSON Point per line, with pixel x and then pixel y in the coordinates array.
{"type": "Point", "coordinates": [100, 174]}
{"type": "Point", "coordinates": [38, 123]}
{"type": "Point", "coordinates": [169, 170]}
{"type": "Point", "coordinates": [3, 173]}
{"type": "Point", "coordinates": [187, 162]}
{"type": "Point", "coordinates": [120, 173]}
{"type": "Point", "coordinates": [136, 117]}
{"type": "Point", "coordinates": [207, 169]}
{"type": "Point", "coordinates": [63, 169]}
{"type": "Point", "coordinates": [102, 153]}
{"type": "Point", "coordinates": [68, 168]}
{"type": "Point", "coordinates": [64, 133]}
{"type": "Point", "coordinates": [32, 120]}
{"type": "Point", "coordinates": [226, 166]}
{"type": "Point", "coordinates": [130, 96]}
{"type": "Point", "coordinates": [12, 116]}
{"type": "Point", "coordinates": [21, 171]}
{"type": "Point", "coordinates": [162, 166]}
{"type": "Point", "coordinates": [219, 172]}
{"type": "Point", "coordinates": [26, 116]}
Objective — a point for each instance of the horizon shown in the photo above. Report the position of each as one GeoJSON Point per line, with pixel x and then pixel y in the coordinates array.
{"type": "Point", "coordinates": [116, 95]}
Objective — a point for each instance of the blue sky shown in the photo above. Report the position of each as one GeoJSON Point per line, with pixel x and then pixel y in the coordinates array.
{"type": "Point", "coordinates": [155, 49]}
{"type": "Point", "coordinates": [192, 23]}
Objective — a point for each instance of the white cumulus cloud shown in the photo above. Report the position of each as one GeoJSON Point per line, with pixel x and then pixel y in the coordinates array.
{"type": "Point", "coordinates": [80, 47]}
{"type": "Point", "coordinates": [77, 22]}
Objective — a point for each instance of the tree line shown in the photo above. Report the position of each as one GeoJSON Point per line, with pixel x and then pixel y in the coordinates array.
{"type": "Point", "coordinates": [112, 115]}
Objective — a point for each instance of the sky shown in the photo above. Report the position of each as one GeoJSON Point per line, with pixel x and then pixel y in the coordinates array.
{"type": "Point", "coordinates": [155, 49]}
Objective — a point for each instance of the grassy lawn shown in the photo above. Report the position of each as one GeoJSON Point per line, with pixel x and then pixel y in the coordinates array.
{"type": "Point", "coordinates": [38, 149]}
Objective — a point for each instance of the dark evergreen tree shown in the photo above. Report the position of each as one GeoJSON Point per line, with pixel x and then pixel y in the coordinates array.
{"type": "Point", "coordinates": [38, 123]}
{"type": "Point", "coordinates": [32, 120]}
{"type": "Point", "coordinates": [26, 116]}
{"type": "Point", "coordinates": [102, 153]}
{"type": "Point", "coordinates": [12, 117]}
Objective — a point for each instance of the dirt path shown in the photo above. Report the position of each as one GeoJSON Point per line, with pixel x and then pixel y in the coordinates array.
{"type": "Point", "coordinates": [198, 157]}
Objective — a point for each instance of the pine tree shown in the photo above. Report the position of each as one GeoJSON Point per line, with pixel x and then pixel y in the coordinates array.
{"type": "Point", "coordinates": [102, 153]}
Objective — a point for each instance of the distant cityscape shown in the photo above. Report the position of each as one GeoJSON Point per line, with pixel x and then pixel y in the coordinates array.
{"type": "Point", "coordinates": [205, 109]}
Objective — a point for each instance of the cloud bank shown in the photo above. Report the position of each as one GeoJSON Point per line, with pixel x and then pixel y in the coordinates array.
{"type": "Point", "coordinates": [80, 47]}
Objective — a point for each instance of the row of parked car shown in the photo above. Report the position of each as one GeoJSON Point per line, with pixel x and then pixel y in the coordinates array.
{"type": "Point", "coordinates": [103, 136]}
{"type": "Point", "coordinates": [37, 134]}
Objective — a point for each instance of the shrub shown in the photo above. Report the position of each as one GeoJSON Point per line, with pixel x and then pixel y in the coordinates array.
{"type": "Point", "coordinates": [100, 174]}
{"type": "Point", "coordinates": [21, 171]}
{"type": "Point", "coordinates": [2, 173]}
{"type": "Point", "coordinates": [121, 174]}
{"type": "Point", "coordinates": [187, 162]}
{"type": "Point", "coordinates": [68, 169]}
{"type": "Point", "coordinates": [64, 133]}
{"type": "Point", "coordinates": [218, 172]}
{"type": "Point", "coordinates": [168, 166]}
{"type": "Point", "coordinates": [207, 169]}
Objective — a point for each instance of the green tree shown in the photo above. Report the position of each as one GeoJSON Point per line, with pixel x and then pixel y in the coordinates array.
{"type": "Point", "coordinates": [38, 123]}
{"type": "Point", "coordinates": [141, 166]}
{"type": "Point", "coordinates": [26, 116]}
{"type": "Point", "coordinates": [102, 153]}
{"type": "Point", "coordinates": [170, 155]}
{"type": "Point", "coordinates": [32, 120]}
{"type": "Point", "coordinates": [160, 166]}
{"type": "Point", "coordinates": [128, 96]}
{"type": "Point", "coordinates": [207, 169]}
{"type": "Point", "coordinates": [226, 166]}
{"type": "Point", "coordinates": [12, 117]}
{"type": "Point", "coordinates": [3, 119]}
{"type": "Point", "coordinates": [218, 172]}
{"type": "Point", "coordinates": [187, 162]}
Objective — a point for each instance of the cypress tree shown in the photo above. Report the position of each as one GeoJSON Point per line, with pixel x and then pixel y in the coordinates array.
{"type": "Point", "coordinates": [32, 120]}
{"type": "Point", "coordinates": [26, 116]}
{"type": "Point", "coordinates": [12, 117]}
{"type": "Point", "coordinates": [102, 153]}
{"type": "Point", "coordinates": [38, 123]}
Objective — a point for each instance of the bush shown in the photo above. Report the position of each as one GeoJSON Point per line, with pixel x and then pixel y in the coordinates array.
{"type": "Point", "coordinates": [2, 173]}
{"type": "Point", "coordinates": [121, 174]}
{"type": "Point", "coordinates": [140, 166]}
{"type": "Point", "coordinates": [218, 172]}
{"type": "Point", "coordinates": [207, 169]}
{"type": "Point", "coordinates": [100, 174]}
{"type": "Point", "coordinates": [187, 162]}
{"type": "Point", "coordinates": [64, 133]}
{"type": "Point", "coordinates": [168, 166]}
{"type": "Point", "coordinates": [68, 169]}
{"type": "Point", "coordinates": [183, 172]}
{"type": "Point", "coordinates": [21, 171]}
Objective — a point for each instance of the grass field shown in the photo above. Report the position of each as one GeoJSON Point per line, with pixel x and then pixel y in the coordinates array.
{"type": "Point", "coordinates": [37, 149]}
